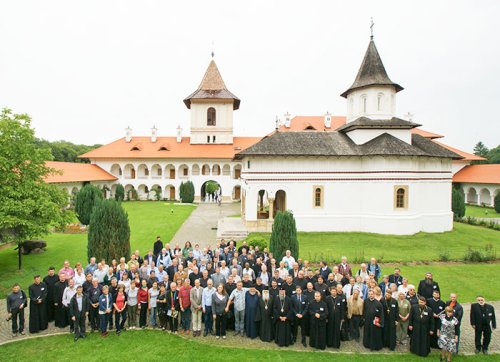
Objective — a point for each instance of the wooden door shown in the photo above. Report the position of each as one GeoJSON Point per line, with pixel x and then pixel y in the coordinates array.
{"type": "Point", "coordinates": [172, 173]}
{"type": "Point", "coordinates": [172, 193]}
{"type": "Point", "coordinates": [237, 173]}
{"type": "Point", "coordinates": [237, 193]}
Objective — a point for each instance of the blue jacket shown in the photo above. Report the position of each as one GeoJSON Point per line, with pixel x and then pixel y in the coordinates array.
{"type": "Point", "coordinates": [102, 302]}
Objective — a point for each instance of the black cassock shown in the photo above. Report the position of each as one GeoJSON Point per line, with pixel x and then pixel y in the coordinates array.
{"type": "Point", "coordinates": [391, 316]}
{"type": "Point", "coordinates": [38, 309]}
{"type": "Point", "coordinates": [265, 318]}
{"type": "Point", "coordinates": [317, 326]}
{"type": "Point", "coordinates": [251, 307]}
{"type": "Point", "coordinates": [372, 336]}
{"type": "Point", "coordinates": [283, 331]}
{"type": "Point", "coordinates": [50, 282]}
{"type": "Point", "coordinates": [437, 307]}
{"type": "Point", "coordinates": [336, 313]}
{"type": "Point", "coordinates": [422, 322]}
{"type": "Point", "coordinates": [60, 316]}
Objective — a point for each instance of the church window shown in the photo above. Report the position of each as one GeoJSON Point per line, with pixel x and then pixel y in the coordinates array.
{"type": "Point", "coordinates": [211, 116]}
{"type": "Point", "coordinates": [208, 139]}
{"type": "Point", "coordinates": [248, 164]}
{"type": "Point", "coordinates": [380, 101]}
{"type": "Point", "coordinates": [146, 172]}
{"type": "Point", "coordinates": [401, 197]}
{"type": "Point", "coordinates": [318, 196]}
{"type": "Point", "coordinates": [364, 104]}
{"type": "Point", "coordinates": [213, 139]}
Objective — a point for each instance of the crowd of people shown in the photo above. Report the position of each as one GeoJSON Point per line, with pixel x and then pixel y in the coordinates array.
{"type": "Point", "coordinates": [211, 291]}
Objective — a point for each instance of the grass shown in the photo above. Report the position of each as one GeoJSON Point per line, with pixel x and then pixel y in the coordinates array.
{"type": "Point", "coordinates": [145, 344]}
{"type": "Point", "coordinates": [357, 246]}
{"type": "Point", "coordinates": [147, 220]}
{"type": "Point", "coordinates": [479, 211]}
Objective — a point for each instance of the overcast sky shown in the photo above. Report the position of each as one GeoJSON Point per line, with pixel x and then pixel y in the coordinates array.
{"type": "Point", "coordinates": [85, 70]}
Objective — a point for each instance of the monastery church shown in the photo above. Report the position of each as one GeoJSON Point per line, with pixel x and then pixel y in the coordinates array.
{"type": "Point", "coordinates": [368, 171]}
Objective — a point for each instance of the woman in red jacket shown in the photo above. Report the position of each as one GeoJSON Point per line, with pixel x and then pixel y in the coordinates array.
{"type": "Point", "coordinates": [142, 301]}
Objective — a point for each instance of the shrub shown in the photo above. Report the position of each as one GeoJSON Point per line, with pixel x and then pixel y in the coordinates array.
{"type": "Point", "coordinates": [119, 193]}
{"type": "Point", "coordinates": [457, 203]}
{"type": "Point", "coordinates": [109, 232]}
{"type": "Point", "coordinates": [259, 241]}
{"type": "Point", "coordinates": [497, 202]}
{"type": "Point", "coordinates": [157, 192]}
{"type": "Point", "coordinates": [186, 192]}
{"type": "Point", "coordinates": [284, 235]}
{"type": "Point", "coordinates": [444, 255]}
{"type": "Point", "coordinates": [86, 199]}
{"type": "Point", "coordinates": [480, 256]}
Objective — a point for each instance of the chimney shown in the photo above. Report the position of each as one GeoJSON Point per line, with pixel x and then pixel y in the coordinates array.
{"type": "Point", "coordinates": [328, 120]}
{"type": "Point", "coordinates": [288, 119]}
{"type": "Point", "coordinates": [128, 134]}
{"type": "Point", "coordinates": [179, 134]}
{"type": "Point", "coordinates": [154, 132]}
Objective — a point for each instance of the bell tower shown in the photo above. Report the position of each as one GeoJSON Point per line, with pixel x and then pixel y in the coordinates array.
{"type": "Point", "coordinates": [212, 106]}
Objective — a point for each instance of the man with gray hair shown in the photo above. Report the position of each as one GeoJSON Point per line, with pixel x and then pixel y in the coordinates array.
{"type": "Point", "coordinates": [237, 297]}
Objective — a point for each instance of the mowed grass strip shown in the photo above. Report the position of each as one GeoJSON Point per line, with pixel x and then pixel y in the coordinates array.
{"type": "Point", "coordinates": [479, 211]}
{"type": "Point", "coordinates": [330, 246]}
{"type": "Point", "coordinates": [147, 220]}
{"type": "Point", "coordinates": [147, 346]}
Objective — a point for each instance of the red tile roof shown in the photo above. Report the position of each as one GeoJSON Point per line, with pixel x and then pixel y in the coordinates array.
{"type": "Point", "coordinates": [77, 172]}
{"type": "Point", "coordinates": [480, 174]}
{"type": "Point", "coordinates": [170, 148]}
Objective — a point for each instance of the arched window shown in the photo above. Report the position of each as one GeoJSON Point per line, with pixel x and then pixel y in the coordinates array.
{"type": "Point", "coordinates": [318, 197]}
{"type": "Point", "coordinates": [401, 197]}
{"type": "Point", "coordinates": [363, 103]}
{"type": "Point", "coordinates": [380, 101]}
{"type": "Point", "coordinates": [211, 116]}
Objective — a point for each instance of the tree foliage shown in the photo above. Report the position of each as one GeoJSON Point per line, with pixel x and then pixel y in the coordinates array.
{"type": "Point", "coordinates": [109, 231]}
{"type": "Point", "coordinates": [119, 193]}
{"type": "Point", "coordinates": [496, 201]}
{"type": "Point", "coordinates": [86, 199]}
{"type": "Point", "coordinates": [457, 203]}
{"type": "Point", "coordinates": [65, 151]}
{"type": "Point", "coordinates": [211, 187]}
{"type": "Point", "coordinates": [494, 155]}
{"type": "Point", "coordinates": [284, 235]}
{"type": "Point", "coordinates": [29, 206]}
{"type": "Point", "coordinates": [186, 192]}
{"type": "Point", "coordinates": [480, 149]}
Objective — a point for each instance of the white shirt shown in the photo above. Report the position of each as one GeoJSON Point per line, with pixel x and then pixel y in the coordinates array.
{"type": "Point", "coordinates": [290, 260]}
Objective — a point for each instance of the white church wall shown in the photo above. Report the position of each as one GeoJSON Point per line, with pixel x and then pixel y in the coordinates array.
{"type": "Point", "coordinates": [380, 103]}
{"type": "Point", "coordinates": [223, 130]}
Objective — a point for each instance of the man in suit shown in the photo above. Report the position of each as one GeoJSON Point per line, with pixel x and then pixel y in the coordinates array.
{"type": "Point", "coordinates": [79, 307]}
{"type": "Point", "coordinates": [300, 304]}
{"type": "Point", "coordinates": [195, 296]}
{"type": "Point", "coordinates": [149, 257]}
{"type": "Point", "coordinates": [482, 319]}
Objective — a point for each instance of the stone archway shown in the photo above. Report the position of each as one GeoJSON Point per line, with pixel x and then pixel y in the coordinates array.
{"type": "Point", "coordinates": [279, 202]}
{"type": "Point", "coordinates": [207, 196]}
{"type": "Point", "coordinates": [472, 196]}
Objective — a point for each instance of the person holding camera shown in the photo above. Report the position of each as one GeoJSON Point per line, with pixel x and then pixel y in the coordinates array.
{"type": "Point", "coordinates": [16, 301]}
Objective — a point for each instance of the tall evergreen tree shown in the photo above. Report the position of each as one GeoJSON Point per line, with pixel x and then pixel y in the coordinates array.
{"type": "Point", "coordinates": [496, 202]}
{"type": "Point", "coordinates": [457, 203]}
{"type": "Point", "coordinates": [86, 199]}
{"type": "Point", "coordinates": [186, 192]}
{"type": "Point", "coordinates": [119, 193]}
{"type": "Point", "coordinates": [481, 150]}
{"type": "Point", "coordinates": [284, 235]}
{"type": "Point", "coordinates": [109, 231]}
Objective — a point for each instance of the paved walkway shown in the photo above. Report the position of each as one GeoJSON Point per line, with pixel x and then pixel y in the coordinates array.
{"type": "Point", "coordinates": [201, 225]}
{"type": "Point", "coordinates": [466, 341]}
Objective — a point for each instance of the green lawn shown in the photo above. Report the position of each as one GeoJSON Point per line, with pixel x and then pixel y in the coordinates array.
{"type": "Point", "coordinates": [478, 211]}
{"type": "Point", "coordinates": [147, 220]}
{"type": "Point", "coordinates": [145, 346]}
{"type": "Point", "coordinates": [393, 248]}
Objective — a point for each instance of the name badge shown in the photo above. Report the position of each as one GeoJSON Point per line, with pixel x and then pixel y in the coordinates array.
{"type": "Point", "coordinates": [293, 292]}
{"type": "Point", "coordinates": [376, 310]}
{"type": "Point", "coordinates": [21, 297]}
{"type": "Point", "coordinates": [303, 302]}
{"type": "Point", "coordinates": [440, 307]}
{"type": "Point", "coordinates": [42, 289]}
{"type": "Point", "coordinates": [394, 305]}
{"type": "Point", "coordinates": [425, 313]}
{"type": "Point", "coordinates": [434, 287]}
{"type": "Point", "coordinates": [490, 314]}
{"type": "Point", "coordinates": [322, 309]}
{"type": "Point", "coordinates": [338, 303]}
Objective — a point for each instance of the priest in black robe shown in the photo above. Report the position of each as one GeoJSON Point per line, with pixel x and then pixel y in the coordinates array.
{"type": "Point", "coordinates": [283, 314]}
{"type": "Point", "coordinates": [251, 306]}
{"type": "Point", "coordinates": [391, 318]}
{"type": "Point", "coordinates": [421, 326]}
{"type": "Point", "coordinates": [60, 316]}
{"type": "Point", "coordinates": [374, 320]}
{"type": "Point", "coordinates": [437, 305]}
{"type": "Point", "coordinates": [318, 314]}
{"type": "Point", "coordinates": [265, 317]}
{"type": "Point", "coordinates": [336, 313]}
{"type": "Point", "coordinates": [38, 309]}
{"type": "Point", "coordinates": [50, 281]}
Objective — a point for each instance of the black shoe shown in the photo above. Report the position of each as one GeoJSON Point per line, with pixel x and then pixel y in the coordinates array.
{"type": "Point", "coordinates": [71, 330]}
{"type": "Point", "coordinates": [304, 344]}
{"type": "Point", "coordinates": [485, 351]}
{"type": "Point", "coordinates": [205, 333]}
{"type": "Point", "coordinates": [477, 351]}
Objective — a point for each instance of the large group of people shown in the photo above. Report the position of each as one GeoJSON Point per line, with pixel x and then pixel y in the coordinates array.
{"type": "Point", "coordinates": [210, 291]}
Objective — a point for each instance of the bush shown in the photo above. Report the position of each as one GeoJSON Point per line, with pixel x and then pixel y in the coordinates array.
{"type": "Point", "coordinates": [157, 192]}
{"type": "Point", "coordinates": [457, 203]}
{"type": "Point", "coordinates": [186, 192]}
{"type": "Point", "coordinates": [444, 255]}
{"type": "Point", "coordinates": [480, 256]}
{"type": "Point", "coordinates": [120, 193]}
{"type": "Point", "coordinates": [86, 199]}
{"type": "Point", "coordinates": [497, 202]}
{"type": "Point", "coordinates": [109, 232]}
{"type": "Point", "coordinates": [259, 241]}
{"type": "Point", "coordinates": [284, 236]}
